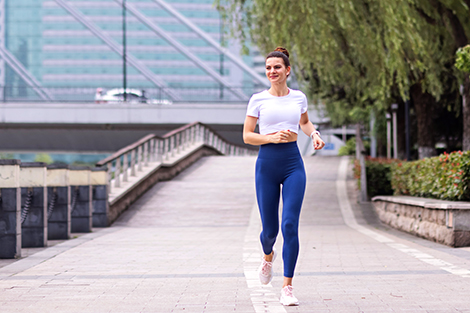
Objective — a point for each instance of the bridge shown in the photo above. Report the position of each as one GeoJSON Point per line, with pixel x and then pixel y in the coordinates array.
{"type": "Point", "coordinates": [113, 126]}
{"type": "Point", "coordinates": [190, 244]}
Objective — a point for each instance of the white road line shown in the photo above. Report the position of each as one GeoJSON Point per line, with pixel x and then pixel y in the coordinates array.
{"type": "Point", "coordinates": [350, 220]}
{"type": "Point", "coordinates": [264, 297]}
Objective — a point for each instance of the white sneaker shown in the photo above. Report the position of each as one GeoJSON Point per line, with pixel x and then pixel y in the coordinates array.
{"type": "Point", "coordinates": [287, 297]}
{"type": "Point", "coordinates": [266, 271]}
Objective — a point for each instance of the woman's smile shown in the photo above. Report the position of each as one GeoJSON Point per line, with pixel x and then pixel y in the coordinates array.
{"type": "Point", "coordinates": [275, 69]}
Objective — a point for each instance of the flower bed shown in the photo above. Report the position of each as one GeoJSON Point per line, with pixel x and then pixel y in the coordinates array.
{"type": "Point", "coordinates": [446, 177]}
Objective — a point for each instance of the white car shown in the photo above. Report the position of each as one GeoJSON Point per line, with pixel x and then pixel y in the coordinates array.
{"type": "Point", "coordinates": [133, 96]}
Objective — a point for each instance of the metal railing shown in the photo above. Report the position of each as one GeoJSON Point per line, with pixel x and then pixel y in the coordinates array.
{"type": "Point", "coordinates": [154, 149]}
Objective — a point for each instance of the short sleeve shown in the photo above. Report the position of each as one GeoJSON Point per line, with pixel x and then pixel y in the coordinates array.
{"type": "Point", "coordinates": [304, 104]}
{"type": "Point", "coordinates": [253, 107]}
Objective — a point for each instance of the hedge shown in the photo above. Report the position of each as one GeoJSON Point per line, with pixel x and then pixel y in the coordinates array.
{"type": "Point", "coordinates": [379, 175]}
{"type": "Point", "coordinates": [445, 177]}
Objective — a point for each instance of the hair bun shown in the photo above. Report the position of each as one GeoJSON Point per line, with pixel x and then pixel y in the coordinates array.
{"type": "Point", "coordinates": [283, 50]}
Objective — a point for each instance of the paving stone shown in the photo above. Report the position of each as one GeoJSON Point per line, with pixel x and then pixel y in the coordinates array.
{"type": "Point", "coordinates": [182, 248]}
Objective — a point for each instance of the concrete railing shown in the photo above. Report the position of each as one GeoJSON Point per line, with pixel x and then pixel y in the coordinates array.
{"type": "Point", "coordinates": [446, 222]}
{"type": "Point", "coordinates": [135, 168]}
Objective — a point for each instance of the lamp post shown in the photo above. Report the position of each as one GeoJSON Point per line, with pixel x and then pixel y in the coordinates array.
{"type": "Point", "coordinates": [373, 138]}
{"type": "Point", "coordinates": [221, 60]}
{"type": "Point", "coordinates": [407, 128]}
{"type": "Point", "coordinates": [394, 121]}
{"type": "Point", "coordinates": [389, 135]}
{"type": "Point", "coordinates": [124, 50]}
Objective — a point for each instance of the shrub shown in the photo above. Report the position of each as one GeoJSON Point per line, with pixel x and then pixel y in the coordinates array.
{"type": "Point", "coordinates": [349, 148]}
{"type": "Point", "coordinates": [445, 177]}
{"type": "Point", "coordinates": [43, 157]}
{"type": "Point", "coordinates": [379, 175]}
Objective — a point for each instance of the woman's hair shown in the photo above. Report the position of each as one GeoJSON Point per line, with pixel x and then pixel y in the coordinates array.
{"type": "Point", "coordinates": [280, 52]}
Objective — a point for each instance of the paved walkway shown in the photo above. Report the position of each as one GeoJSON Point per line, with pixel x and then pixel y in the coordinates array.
{"type": "Point", "coordinates": [191, 245]}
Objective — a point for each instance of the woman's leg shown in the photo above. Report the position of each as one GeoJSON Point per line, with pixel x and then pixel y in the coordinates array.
{"type": "Point", "coordinates": [292, 194]}
{"type": "Point", "coordinates": [268, 194]}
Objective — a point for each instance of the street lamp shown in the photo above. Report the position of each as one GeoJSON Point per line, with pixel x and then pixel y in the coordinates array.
{"type": "Point", "coordinates": [124, 50]}
{"type": "Point", "coordinates": [407, 128]}
{"type": "Point", "coordinates": [221, 60]}
{"type": "Point", "coordinates": [394, 120]}
{"type": "Point", "coordinates": [389, 135]}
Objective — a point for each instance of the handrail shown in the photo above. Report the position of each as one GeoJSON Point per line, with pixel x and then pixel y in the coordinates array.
{"type": "Point", "coordinates": [152, 148]}
{"type": "Point", "coordinates": [177, 130]}
{"type": "Point", "coordinates": [126, 149]}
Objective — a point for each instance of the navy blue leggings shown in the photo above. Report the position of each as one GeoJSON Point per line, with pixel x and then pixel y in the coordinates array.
{"type": "Point", "coordinates": [280, 165]}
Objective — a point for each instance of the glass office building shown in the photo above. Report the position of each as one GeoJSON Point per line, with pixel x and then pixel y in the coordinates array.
{"type": "Point", "coordinates": [63, 50]}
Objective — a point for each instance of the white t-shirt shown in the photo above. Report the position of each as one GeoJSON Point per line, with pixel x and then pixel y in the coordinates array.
{"type": "Point", "coordinates": [277, 113]}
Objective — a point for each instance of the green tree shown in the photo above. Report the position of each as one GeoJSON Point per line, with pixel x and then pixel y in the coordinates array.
{"type": "Point", "coordinates": [462, 63]}
{"type": "Point", "coordinates": [362, 54]}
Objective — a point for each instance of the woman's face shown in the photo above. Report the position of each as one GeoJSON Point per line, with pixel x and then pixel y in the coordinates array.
{"type": "Point", "coordinates": [276, 71]}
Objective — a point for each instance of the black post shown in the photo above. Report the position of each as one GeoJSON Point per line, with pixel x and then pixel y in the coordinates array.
{"type": "Point", "coordinates": [59, 219]}
{"type": "Point", "coordinates": [81, 199]}
{"type": "Point", "coordinates": [34, 204]}
{"type": "Point", "coordinates": [407, 128]}
{"type": "Point", "coordinates": [124, 50]}
{"type": "Point", "coordinates": [10, 209]}
{"type": "Point", "coordinates": [100, 197]}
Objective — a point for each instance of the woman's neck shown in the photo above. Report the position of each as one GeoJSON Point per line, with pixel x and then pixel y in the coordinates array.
{"type": "Point", "coordinates": [279, 90]}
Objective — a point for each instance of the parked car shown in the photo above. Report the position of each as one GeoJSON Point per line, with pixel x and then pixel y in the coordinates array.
{"type": "Point", "coordinates": [132, 96]}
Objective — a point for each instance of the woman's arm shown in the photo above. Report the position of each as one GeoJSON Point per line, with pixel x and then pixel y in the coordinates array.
{"type": "Point", "coordinates": [308, 128]}
{"type": "Point", "coordinates": [255, 139]}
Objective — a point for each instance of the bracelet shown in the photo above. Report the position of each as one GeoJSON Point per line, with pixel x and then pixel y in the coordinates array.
{"type": "Point", "coordinates": [315, 132]}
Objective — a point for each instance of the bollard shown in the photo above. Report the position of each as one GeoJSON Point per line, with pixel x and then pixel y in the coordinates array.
{"type": "Point", "coordinates": [59, 220]}
{"type": "Point", "coordinates": [81, 199]}
{"type": "Point", "coordinates": [33, 204]}
{"type": "Point", "coordinates": [99, 184]}
{"type": "Point", "coordinates": [10, 209]}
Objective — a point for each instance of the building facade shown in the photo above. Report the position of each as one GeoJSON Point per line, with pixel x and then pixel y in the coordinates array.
{"type": "Point", "coordinates": [63, 50]}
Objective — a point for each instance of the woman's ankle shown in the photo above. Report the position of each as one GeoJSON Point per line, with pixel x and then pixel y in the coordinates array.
{"type": "Point", "coordinates": [287, 282]}
{"type": "Point", "coordinates": [269, 257]}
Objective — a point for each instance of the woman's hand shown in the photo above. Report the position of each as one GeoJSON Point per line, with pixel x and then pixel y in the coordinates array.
{"type": "Point", "coordinates": [317, 142]}
{"type": "Point", "coordinates": [282, 136]}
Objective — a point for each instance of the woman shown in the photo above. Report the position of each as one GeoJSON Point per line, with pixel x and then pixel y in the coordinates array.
{"type": "Point", "coordinates": [279, 112]}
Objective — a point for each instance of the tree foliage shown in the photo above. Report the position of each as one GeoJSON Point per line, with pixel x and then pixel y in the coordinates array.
{"type": "Point", "coordinates": [463, 59]}
{"type": "Point", "coordinates": [360, 54]}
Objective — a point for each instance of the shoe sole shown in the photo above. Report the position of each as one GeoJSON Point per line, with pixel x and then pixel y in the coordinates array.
{"type": "Point", "coordinates": [290, 304]}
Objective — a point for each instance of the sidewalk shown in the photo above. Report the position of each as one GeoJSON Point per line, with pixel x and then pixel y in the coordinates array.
{"type": "Point", "coordinates": [191, 245]}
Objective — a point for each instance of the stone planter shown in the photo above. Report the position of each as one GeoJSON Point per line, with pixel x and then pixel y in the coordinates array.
{"type": "Point", "coordinates": [446, 222]}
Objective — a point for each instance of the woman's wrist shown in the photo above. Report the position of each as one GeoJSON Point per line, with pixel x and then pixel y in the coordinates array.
{"type": "Point", "coordinates": [315, 132]}
{"type": "Point", "coordinates": [270, 138]}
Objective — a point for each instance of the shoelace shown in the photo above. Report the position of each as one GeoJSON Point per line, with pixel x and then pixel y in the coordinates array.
{"type": "Point", "coordinates": [266, 268]}
{"type": "Point", "coordinates": [288, 291]}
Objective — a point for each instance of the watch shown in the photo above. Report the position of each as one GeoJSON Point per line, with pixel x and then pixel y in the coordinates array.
{"type": "Point", "coordinates": [316, 132]}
